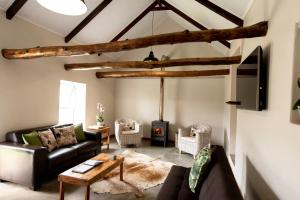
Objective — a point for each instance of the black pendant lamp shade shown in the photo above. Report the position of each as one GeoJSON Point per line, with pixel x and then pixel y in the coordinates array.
{"type": "Point", "coordinates": [151, 57]}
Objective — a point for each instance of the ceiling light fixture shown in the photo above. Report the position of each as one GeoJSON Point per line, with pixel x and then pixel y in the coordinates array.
{"type": "Point", "coordinates": [151, 56]}
{"type": "Point", "coordinates": [65, 7]}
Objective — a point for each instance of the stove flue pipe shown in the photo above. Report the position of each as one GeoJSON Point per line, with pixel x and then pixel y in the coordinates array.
{"type": "Point", "coordinates": [161, 102]}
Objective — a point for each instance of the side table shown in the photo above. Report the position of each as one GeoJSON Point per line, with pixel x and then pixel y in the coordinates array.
{"type": "Point", "coordinates": [102, 130]}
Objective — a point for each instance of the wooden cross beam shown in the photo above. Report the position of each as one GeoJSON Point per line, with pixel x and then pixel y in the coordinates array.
{"type": "Point", "coordinates": [87, 20]}
{"type": "Point", "coordinates": [135, 21]}
{"type": "Point", "coordinates": [155, 64]}
{"type": "Point", "coordinates": [153, 74]}
{"type": "Point", "coordinates": [190, 20]}
{"type": "Point", "coordinates": [14, 8]}
{"type": "Point", "coordinates": [220, 11]}
{"type": "Point", "coordinates": [256, 30]}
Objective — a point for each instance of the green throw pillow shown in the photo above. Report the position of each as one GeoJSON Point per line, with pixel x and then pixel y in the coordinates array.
{"type": "Point", "coordinates": [80, 136]}
{"type": "Point", "coordinates": [32, 139]}
{"type": "Point", "coordinates": [199, 167]}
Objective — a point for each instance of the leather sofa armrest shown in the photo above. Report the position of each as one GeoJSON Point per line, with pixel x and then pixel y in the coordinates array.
{"type": "Point", "coordinates": [23, 164]}
{"type": "Point", "coordinates": [92, 135]}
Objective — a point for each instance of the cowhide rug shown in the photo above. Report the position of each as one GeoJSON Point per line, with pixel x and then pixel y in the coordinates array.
{"type": "Point", "coordinates": [140, 172]}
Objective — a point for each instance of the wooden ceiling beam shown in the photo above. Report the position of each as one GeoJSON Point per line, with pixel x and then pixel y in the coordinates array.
{"type": "Point", "coordinates": [160, 8]}
{"type": "Point", "coordinates": [135, 21]}
{"type": "Point", "coordinates": [14, 8]}
{"type": "Point", "coordinates": [153, 74]}
{"type": "Point", "coordinates": [190, 20]}
{"type": "Point", "coordinates": [220, 11]}
{"type": "Point", "coordinates": [155, 64]}
{"type": "Point", "coordinates": [257, 30]}
{"type": "Point", "coordinates": [87, 20]}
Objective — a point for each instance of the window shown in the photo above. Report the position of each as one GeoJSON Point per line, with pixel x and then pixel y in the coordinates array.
{"type": "Point", "coordinates": [72, 97]}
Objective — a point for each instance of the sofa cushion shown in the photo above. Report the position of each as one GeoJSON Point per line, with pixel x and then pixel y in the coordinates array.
{"type": "Point", "coordinates": [199, 167]}
{"type": "Point", "coordinates": [32, 139]}
{"type": "Point", "coordinates": [58, 156]}
{"type": "Point", "coordinates": [176, 185]}
{"type": "Point", "coordinates": [65, 136]}
{"type": "Point", "coordinates": [84, 147]}
{"type": "Point", "coordinates": [48, 139]}
{"type": "Point", "coordinates": [80, 136]}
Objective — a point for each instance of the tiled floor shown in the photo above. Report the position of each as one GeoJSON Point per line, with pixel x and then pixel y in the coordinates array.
{"type": "Point", "coordinates": [49, 191]}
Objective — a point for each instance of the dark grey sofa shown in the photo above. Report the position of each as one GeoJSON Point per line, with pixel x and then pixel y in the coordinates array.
{"type": "Point", "coordinates": [218, 184]}
{"type": "Point", "coordinates": [32, 165]}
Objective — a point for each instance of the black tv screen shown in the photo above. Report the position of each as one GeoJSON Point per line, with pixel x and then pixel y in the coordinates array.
{"type": "Point", "coordinates": [251, 82]}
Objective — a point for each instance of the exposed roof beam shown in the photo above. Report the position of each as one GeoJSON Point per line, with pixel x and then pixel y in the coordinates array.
{"type": "Point", "coordinates": [130, 74]}
{"type": "Point", "coordinates": [160, 8]}
{"type": "Point", "coordinates": [220, 11]}
{"type": "Point", "coordinates": [190, 20]}
{"type": "Point", "coordinates": [87, 20]}
{"type": "Point", "coordinates": [155, 64]}
{"type": "Point", "coordinates": [135, 21]}
{"type": "Point", "coordinates": [256, 30]}
{"type": "Point", "coordinates": [14, 8]}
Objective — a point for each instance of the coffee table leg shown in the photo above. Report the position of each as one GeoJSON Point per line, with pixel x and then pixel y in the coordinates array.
{"type": "Point", "coordinates": [87, 194]}
{"type": "Point", "coordinates": [61, 190]}
{"type": "Point", "coordinates": [121, 171]}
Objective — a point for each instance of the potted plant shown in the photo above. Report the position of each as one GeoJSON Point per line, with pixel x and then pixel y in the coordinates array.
{"type": "Point", "coordinates": [297, 104]}
{"type": "Point", "coordinates": [99, 116]}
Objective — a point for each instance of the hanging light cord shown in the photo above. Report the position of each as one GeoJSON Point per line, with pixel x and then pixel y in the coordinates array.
{"type": "Point", "coordinates": [152, 24]}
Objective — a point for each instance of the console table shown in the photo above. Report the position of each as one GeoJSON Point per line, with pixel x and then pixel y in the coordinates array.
{"type": "Point", "coordinates": [103, 130]}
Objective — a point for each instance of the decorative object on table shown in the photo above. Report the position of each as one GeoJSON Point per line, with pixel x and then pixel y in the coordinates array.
{"type": "Point", "coordinates": [140, 171]}
{"type": "Point", "coordinates": [128, 132]}
{"type": "Point", "coordinates": [194, 138]}
{"type": "Point", "coordinates": [99, 116]}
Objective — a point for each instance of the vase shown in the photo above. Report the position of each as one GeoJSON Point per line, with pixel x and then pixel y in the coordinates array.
{"type": "Point", "coordinates": [100, 124]}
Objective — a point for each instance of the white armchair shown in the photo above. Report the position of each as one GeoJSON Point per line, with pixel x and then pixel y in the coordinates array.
{"type": "Point", "coordinates": [128, 132]}
{"type": "Point", "coordinates": [193, 138]}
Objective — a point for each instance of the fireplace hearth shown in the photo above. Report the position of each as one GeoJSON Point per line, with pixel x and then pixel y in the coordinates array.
{"type": "Point", "coordinates": [159, 133]}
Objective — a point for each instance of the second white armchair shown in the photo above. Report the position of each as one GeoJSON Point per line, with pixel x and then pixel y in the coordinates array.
{"type": "Point", "coordinates": [193, 138]}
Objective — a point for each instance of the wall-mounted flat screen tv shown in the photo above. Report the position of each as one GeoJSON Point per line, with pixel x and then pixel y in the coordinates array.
{"type": "Point", "coordinates": [251, 82]}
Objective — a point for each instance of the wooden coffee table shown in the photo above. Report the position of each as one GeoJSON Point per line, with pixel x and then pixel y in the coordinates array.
{"type": "Point", "coordinates": [91, 176]}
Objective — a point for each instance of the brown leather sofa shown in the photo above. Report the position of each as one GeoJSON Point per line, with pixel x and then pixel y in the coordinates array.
{"type": "Point", "coordinates": [32, 165]}
{"type": "Point", "coordinates": [218, 184]}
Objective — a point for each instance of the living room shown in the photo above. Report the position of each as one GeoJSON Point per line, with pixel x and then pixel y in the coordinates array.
{"type": "Point", "coordinates": [260, 146]}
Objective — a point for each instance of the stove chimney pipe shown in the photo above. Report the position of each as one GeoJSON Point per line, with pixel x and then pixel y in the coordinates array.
{"type": "Point", "coordinates": [161, 102]}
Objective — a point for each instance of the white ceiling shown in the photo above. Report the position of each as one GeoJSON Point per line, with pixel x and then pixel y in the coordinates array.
{"type": "Point", "coordinates": [120, 13]}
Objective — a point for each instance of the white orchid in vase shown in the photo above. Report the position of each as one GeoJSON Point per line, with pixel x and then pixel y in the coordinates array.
{"type": "Point", "coordinates": [99, 116]}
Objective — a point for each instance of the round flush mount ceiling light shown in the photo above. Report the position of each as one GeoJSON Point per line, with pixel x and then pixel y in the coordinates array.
{"type": "Point", "coordinates": [65, 7]}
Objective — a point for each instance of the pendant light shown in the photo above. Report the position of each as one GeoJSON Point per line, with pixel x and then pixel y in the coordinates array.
{"type": "Point", "coordinates": [65, 7]}
{"type": "Point", "coordinates": [151, 56]}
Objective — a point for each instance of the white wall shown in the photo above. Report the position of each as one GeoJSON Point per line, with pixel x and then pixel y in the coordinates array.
{"type": "Point", "coordinates": [187, 100]}
{"type": "Point", "coordinates": [29, 89]}
{"type": "Point", "coordinates": [268, 145]}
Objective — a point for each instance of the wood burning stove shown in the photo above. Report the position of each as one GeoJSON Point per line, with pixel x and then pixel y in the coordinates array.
{"type": "Point", "coordinates": [160, 128]}
{"type": "Point", "coordinates": [159, 133]}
